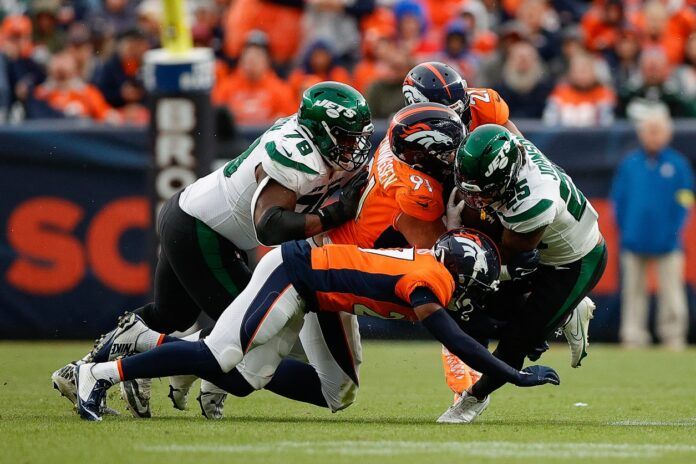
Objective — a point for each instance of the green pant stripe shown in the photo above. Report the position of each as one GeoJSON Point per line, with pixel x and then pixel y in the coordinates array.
{"type": "Point", "coordinates": [210, 248]}
{"type": "Point", "coordinates": [589, 266]}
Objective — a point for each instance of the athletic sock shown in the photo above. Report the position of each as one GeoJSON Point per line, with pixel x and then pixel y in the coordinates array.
{"type": "Point", "coordinates": [173, 358]}
{"type": "Point", "coordinates": [297, 381]}
{"type": "Point", "coordinates": [150, 339]}
{"type": "Point", "coordinates": [107, 370]}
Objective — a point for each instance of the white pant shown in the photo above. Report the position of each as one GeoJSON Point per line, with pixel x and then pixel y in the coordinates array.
{"type": "Point", "coordinates": [261, 326]}
{"type": "Point", "coordinates": [672, 309]}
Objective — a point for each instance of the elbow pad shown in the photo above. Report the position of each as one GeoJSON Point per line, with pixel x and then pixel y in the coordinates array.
{"type": "Point", "coordinates": [278, 225]}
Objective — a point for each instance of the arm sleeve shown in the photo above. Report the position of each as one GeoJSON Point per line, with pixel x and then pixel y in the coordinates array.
{"type": "Point", "coordinates": [447, 332]}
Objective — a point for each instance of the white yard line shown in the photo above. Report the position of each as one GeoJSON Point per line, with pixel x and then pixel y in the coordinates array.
{"type": "Point", "coordinates": [642, 423]}
{"type": "Point", "coordinates": [493, 449]}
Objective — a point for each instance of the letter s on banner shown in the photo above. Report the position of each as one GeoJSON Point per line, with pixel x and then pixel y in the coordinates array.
{"type": "Point", "coordinates": [51, 260]}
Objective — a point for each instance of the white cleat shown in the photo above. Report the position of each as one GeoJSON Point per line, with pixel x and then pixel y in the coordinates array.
{"type": "Point", "coordinates": [91, 392]}
{"type": "Point", "coordinates": [212, 400]}
{"type": "Point", "coordinates": [179, 387]}
{"type": "Point", "coordinates": [64, 381]}
{"type": "Point", "coordinates": [576, 330]}
{"type": "Point", "coordinates": [136, 394]}
{"type": "Point", "coordinates": [464, 411]}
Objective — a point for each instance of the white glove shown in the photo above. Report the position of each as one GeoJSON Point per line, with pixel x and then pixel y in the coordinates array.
{"type": "Point", "coordinates": [454, 211]}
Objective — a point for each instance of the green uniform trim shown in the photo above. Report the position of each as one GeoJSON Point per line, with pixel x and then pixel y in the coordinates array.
{"type": "Point", "coordinates": [285, 161]}
{"type": "Point", "coordinates": [210, 248]}
{"type": "Point", "coordinates": [590, 265]}
{"type": "Point", "coordinates": [534, 211]}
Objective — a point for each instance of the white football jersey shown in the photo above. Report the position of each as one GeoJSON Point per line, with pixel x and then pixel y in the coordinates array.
{"type": "Point", "coordinates": [546, 196]}
{"type": "Point", "coordinates": [223, 199]}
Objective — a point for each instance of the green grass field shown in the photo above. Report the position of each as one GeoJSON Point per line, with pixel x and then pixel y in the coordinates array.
{"type": "Point", "coordinates": [640, 407]}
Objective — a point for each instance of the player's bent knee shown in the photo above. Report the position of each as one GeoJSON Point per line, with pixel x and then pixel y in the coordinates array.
{"type": "Point", "coordinates": [227, 356]}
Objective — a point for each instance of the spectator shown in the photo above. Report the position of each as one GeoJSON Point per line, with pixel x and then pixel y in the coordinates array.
{"type": "Point", "coordinates": [277, 19]}
{"type": "Point", "coordinates": [67, 93]}
{"type": "Point", "coordinates": [82, 50]}
{"type": "Point", "coordinates": [580, 101]}
{"type": "Point", "coordinates": [491, 68]}
{"type": "Point", "coordinates": [336, 23]}
{"type": "Point", "coordinates": [541, 24]}
{"type": "Point", "coordinates": [602, 23]}
{"type": "Point", "coordinates": [475, 16]}
{"type": "Point", "coordinates": [46, 31]}
{"type": "Point", "coordinates": [666, 29]}
{"type": "Point", "coordinates": [623, 58]}
{"type": "Point", "coordinates": [457, 51]}
{"type": "Point", "coordinates": [653, 185]}
{"type": "Point", "coordinates": [375, 63]}
{"type": "Point", "coordinates": [384, 95]}
{"type": "Point", "coordinates": [652, 86]}
{"type": "Point", "coordinates": [22, 71]}
{"type": "Point", "coordinates": [253, 92]}
{"type": "Point", "coordinates": [412, 29]}
{"type": "Point", "coordinates": [685, 74]}
{"type": "Point", "coordinates": [119, 77]}
{"type": "Point", "coordinates": [318, 64]}
{"type": "Point", "coordinates": [524, 86]}
{"type": "Point", "coordinates": [119, 16]}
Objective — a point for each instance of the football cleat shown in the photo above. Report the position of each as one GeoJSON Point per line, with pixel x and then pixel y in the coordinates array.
{"type": "Point", "coordinates": [136, 394]}
{"type": "Point", "coordinates": [179, 387]}
{"type": "Point", "coordinates": [464, 411]}
{"type": "Point", "coordinates": [576, 330]}
{"type": "Point", "coordinates": [122, 341]}
{"type": "Point", "coordinates": [212, 400]}
{"type": "Point", "coordinates": [64, 381]}
{"type": "Point", "coordinates": [90, 392]}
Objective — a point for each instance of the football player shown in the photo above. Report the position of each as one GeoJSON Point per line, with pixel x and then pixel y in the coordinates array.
{"type": "Point", "coordinates": [438, 82]}
{"type": "Point", "coordinates": [271, 193]}
{"type": "Point", "coordinates": [402, 204]}
{"type": "Point", "coordinates": [543, 215]}
{"type": "Point", "coordinates": [408, 284]}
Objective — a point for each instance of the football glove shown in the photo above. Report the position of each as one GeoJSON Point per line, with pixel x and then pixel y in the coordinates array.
{"type": "Point", "coordinates": [340, 211]}
{"type": "Point", "coordinates": [533, 376]}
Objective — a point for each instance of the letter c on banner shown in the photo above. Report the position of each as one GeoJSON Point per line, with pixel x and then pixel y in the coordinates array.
{"type": "Point", "coordinates": [51, 260]}
{"type": "Point", "coordinates": [102, 245]}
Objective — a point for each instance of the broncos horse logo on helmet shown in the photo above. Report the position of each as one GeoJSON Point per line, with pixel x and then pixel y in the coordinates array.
{"type": "Point", "coordinates": [438, 83]}
{"type": "Point", "coordinates": [474, 262]}
{"type": "Point", "coordinates": [426, 136]}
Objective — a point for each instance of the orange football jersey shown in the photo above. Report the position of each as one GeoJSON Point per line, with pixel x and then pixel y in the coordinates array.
{"type": "Point", "coordinates": [361, 281]}
{"type": "Point", "coordinates": [393, 188]}
{"type": "Point", "coordinates": [487, 108]}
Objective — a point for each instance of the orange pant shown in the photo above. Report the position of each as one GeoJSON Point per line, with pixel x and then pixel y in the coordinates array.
{"type": "Point", "coordinates": [458, 375]}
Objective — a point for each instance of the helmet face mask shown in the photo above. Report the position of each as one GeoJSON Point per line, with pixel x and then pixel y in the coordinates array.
{"type": "Point", "coordinates": [474, 263]}
{"type": "Point", "coordinates": [487, 166]}
{"type": "Point", "coordinates": [350, 149]}
{"type": "Point", "coordinates": [339, 121]}
{"type": "Point", "coordinates": [426, 136]}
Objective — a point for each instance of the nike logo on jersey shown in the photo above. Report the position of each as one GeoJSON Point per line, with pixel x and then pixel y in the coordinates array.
{"type": "Point", "coordinates": [423, 204]}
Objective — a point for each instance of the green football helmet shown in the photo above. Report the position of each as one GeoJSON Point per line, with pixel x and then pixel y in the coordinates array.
{"type": "Point", "coordinates": [339, 120]}
{"type": "Point", "coordinates": [487, 166]}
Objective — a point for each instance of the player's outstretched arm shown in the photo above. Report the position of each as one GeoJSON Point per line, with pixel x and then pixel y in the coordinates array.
{"type": "Point", "coordinates": [446, 331]}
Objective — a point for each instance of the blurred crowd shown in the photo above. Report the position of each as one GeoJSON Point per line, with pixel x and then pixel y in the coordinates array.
{"type": "Point", "coordinates": [568, 62]}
